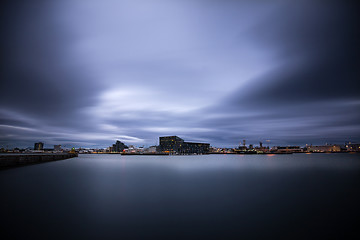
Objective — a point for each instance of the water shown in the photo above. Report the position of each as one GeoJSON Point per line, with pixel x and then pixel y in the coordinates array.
{"type": "Point", "coordinates": [298, 196]}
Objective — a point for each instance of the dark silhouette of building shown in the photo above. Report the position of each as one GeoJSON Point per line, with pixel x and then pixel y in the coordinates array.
{"type": "Point", "coordinates": [170, 144]}
{"type": "Point", "coordinates": [174, 144]}
{"type": "Point", "coordinates": [57, 148]}
{"type": "Point", "coordinates": [39, 146]}
{"type": "Point", "coordinates": [287, 149]}
{"type": "Point", "coordinates": [118, 146]}
{"type": "Point", "coordinates": [324, 148]}
{"type": "Point", "coordinates": [352, 147]}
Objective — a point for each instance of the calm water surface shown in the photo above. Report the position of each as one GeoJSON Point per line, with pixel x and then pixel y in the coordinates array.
{"type": "Point", "coordinates": [298, 196]}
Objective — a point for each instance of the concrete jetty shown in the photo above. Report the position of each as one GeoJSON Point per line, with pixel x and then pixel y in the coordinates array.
{"type": "Point", "coordinates": [17, 160]}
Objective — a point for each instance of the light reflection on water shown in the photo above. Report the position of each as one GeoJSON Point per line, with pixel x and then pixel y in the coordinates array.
{"type": "Point", "coordinates": [208, 196]}
{"type": "Point", "coordinates": [227, 162]}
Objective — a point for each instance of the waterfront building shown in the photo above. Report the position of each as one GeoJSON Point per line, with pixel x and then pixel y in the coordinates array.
{"type": "Point", "coordinates": [352, 147]}
{"type": "Point", "coordinates": [151, 149]}
{"type": "Point", "coordinates": [57, 148]}
{"type": "Point", "coordinates": [324, 148]}
{"type": "Point", "coordinates": [118, 146]}
{"type": "Point", "coordinates": [109, 149]}
{"type": "Point", "coordinates": [176, 145]}
{"type": "Point", "coordinates": [287, 149]}
{"type": "Point", "coordinates": [39, 146]}
{"type": "Point", "coordinates": [261, 148]}
{"type": "Point", "coordinates": [170, 144]}
{"type": "Point", "coordinates": [242, 148]}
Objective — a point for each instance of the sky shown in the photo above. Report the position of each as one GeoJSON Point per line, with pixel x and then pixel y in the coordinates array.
{"type": "Point", "coordinates": [86, 73]}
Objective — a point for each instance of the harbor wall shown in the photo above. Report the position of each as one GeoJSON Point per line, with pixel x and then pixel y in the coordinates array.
{"type": "Point", "coordinates": [16, 160]}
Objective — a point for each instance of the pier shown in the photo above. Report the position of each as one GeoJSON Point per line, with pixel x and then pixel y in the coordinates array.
{"type": "Point", "coordinates": [17, 160]}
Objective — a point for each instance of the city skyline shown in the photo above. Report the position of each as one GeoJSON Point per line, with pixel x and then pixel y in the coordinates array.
{"type": "Point", "coordinates": [121, 145]}
{"type": "Point", "coordinates": [88, 73]}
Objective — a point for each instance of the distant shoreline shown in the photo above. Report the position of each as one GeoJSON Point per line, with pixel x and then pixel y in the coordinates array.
{"type": "Point", "coordinates": [214, 153]}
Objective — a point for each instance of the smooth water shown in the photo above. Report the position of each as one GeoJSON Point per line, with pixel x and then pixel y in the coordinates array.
{"type": "Point", "coordinates": [298, 196]}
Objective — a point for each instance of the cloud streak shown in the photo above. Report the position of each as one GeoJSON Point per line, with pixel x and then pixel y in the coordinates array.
{"type": "Point", "coordinates": [87, 73]}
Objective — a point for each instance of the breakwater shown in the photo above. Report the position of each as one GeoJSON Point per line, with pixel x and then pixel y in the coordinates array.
{"type": "Point", "coordinates": [17, 160]}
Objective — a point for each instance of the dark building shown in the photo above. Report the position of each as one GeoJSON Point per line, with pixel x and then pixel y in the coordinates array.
{"type": "Point", "coordinates": [118, 147]}
{"type": "Point", "coordinates": [191, 147]}
{"type": "Point", "coordinates": [353, 147]}
{"type": "Point", "coordinates": [57, 148]}
{"type": "Point", "coordinates": [39, 146]}
{"type": "Point", "coordinates": [170, 144]}
{"type": "Point", "coordinates": [324, 148]}
{"type": "Point", "coordinates": [174, 144]}
{"type": "Point", "coordinates": [287, 149]}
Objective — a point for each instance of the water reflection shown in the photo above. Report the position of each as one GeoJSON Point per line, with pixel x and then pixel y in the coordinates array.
{"type": "Point", "coordinates": [225, 162]}
{"type": "Point", "coordinates": [212, 196]}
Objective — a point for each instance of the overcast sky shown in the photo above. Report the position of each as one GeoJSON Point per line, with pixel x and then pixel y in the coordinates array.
{"type": "Point", "coordinates": [86, 73]}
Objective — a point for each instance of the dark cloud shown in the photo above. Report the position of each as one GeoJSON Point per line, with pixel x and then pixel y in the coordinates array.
{"type": "Point", "coordinates": [36, 77]}
{"type": "Point", "coordinates": [87, 73]}
{"type": "Point", "coordinates": [317, 44]}
{"type": "Point", "coordinates": [314, 91]}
